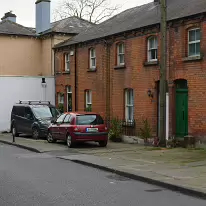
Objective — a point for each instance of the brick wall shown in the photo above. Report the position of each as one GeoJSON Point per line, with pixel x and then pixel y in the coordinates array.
{"type": "Point", "coordinates": [140, 76]}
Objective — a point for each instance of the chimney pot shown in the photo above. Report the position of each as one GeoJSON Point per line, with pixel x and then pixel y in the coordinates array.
{"type": "Point", "coordinates": [9, 16]}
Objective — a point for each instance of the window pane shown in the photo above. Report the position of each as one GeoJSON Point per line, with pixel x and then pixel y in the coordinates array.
{"type": "Point", "coordinates": [192, 35]}
{"type": "Point", "coordinates": [67, 57]}
{"type": "Point", "coordinates": [198, 34]}
{"type": "Point", "coordinates": [121, 59]}
{"type": "Point", "coordinates": [121, 48]}
{"type": "Point", "coordinates": [151, 43]}
{"type": "Point", "coordinates": [93, 61]}
{"type": "Point", "coordinates": [192, 49]}
{"type": "Point", "coordinates": [92, 53]}
{"type": "Point", "coordinates": [130, 113]}
{"type": "Point", "coordinates": [69, 89]}
{"type": "Point", "coordinates": [153, 54]}
{"type": "Point", "coordinates": [198, 48]}
{"type": "Point", "coordinates": [67, 66]}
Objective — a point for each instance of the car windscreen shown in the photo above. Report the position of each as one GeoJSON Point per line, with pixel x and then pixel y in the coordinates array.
{"type": "Point", "coordinates": [42, 111]}
{"type": "Point", "coordinates": [89, 119]}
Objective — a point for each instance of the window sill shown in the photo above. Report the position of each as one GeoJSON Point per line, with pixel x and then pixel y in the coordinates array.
{"type": "Point", "coordinates": [195, 58]}
{"type": "Point", "coordinates": [151, 63]}
{"type": "Point", "coordinates": [57, 73]}
{"type": "Point", "coordinates": [92, 70]}
{"type": "Point", "coordinates": [127, 123]}
{"type": "Point", "coordinates": [120, 67]}
{"type": "Point", "coordinates": [66, 72]}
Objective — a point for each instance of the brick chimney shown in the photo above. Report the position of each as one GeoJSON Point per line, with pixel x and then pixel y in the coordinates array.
{"type": "Point", "coordinates": [9, 16]}
{"type": "Point", "coordinates": [42, 15]}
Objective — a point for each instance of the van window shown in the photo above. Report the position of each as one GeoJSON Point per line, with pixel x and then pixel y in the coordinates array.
{"type": "Point", "coordinates": [20, 111]}
{"type": "Point", "coordinates": [28, 113]}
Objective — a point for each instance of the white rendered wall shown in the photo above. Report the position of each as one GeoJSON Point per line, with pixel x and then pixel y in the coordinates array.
{"type": "Point", "coordinates": [13, 89]}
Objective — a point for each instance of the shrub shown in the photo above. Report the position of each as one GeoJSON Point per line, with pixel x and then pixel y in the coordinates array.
{"type": "Point", "coordinates": [88, 108]}
{"type": "Point", "coordinates": [146, 130]}
{"type": "Point", "coordinates": [61, 107]}
{"type": "Point", "coordinates": [115, 132]}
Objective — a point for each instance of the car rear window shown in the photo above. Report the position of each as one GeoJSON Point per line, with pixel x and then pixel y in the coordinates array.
{"type": "Point", "coordinates": [89, 120]}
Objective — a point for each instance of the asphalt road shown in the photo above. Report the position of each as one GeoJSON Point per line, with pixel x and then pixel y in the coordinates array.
{"type": "Point", "coordinates": [28, 179]}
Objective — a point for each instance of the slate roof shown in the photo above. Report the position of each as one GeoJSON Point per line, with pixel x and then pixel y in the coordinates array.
{"type": "Point", "coordinates": [70, 25]}
{"type": "Point", "coordinates": [9, 27]}
{"type": "Point", "coordinates": [138, 17]}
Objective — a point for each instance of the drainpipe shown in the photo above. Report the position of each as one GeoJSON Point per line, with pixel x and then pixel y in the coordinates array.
{"type": "Point", "coordinates": [55, 76]}
{"type": "Point", "coordinates": [108, 80]}
{"type": "Point", "coordinates": [75, 78]}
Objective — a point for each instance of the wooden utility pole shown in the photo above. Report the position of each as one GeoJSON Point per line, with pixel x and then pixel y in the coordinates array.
{"type": "Point", "coordinates": [163, 67]}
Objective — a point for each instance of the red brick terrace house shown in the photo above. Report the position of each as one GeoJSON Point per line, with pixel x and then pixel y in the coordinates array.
{"type": "Point", "coordinates": [113, 68]}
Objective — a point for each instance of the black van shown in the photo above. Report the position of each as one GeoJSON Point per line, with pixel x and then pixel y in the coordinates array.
{"type": "Point", "coordinates": [32, 118]}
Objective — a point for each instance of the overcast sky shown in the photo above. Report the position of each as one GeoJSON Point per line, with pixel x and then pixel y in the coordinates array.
{"type": "Point", "coordinates": [25, 9]}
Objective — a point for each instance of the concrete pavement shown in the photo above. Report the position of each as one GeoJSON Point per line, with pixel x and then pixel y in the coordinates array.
{"type": "Point", "coordinates": [178, 169]}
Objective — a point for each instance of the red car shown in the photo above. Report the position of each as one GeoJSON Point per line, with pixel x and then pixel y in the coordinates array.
{"type": "Point", "coordinates": [78, 127]}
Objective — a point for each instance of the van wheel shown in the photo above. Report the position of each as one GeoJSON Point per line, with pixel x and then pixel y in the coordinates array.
{"type": "Point", "coordinates": [50, 138]}
{"type": "Point", "coordinates": [35, 133]}
{"type": "Point", "coordinates": [70, 142]}
{"type": "Point", "coordinates": [14, 131]}
{"type": "Point", "coordinates": [103, 143]}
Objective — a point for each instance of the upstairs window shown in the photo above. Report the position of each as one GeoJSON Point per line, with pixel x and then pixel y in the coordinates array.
{"type": "Point", "coordinates": [67, 62]}
{"type": "Point", "coordinates": [194, 42]}
{"type": "Point", "coordinates": [129, 105]}
{"type": "Point", "coordinates": [152, 49]}
{"type": "Point", "coordinates": [92, 59]}
{"type": "Point", "coordinates": [88, 100]}
{"type": "Point", "coordinates": [120, 54]}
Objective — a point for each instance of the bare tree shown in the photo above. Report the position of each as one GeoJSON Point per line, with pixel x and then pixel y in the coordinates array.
{"type": "Point", "coordinates": [94, 11]}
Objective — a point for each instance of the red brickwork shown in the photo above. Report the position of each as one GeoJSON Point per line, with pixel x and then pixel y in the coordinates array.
{"type": "Point", "coordinates": [139, 76]}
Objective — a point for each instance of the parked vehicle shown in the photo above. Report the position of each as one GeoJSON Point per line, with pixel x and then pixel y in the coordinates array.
{"type": "Point", "coordinates": [78, 127]}
{"type": "Point", "coordinates": [32, 118]}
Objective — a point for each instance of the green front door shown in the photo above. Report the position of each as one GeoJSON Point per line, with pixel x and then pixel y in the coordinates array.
{"type": "Point", "coordinates": [181, 112]}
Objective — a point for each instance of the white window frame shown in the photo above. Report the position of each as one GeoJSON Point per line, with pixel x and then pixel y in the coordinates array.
{"type": "Point", "coordinates": [88, 95]}
{"type": "Point", "coordinates": [60, 98]}
{"type": "Point", "coordinates": [149, 49]}
{"type": "Point", "coordinates": [92, 57]}
{"type": "Point", "coordinates": [192, 42]}
{"type": "Point", "coordinates": [67, 62]}
{"type": "Point", "coordinates": [129, 104]}
{"type": "Point", "coordinates": [120, 53]}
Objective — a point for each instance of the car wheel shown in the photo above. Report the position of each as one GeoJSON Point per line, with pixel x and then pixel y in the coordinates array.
{"type": "Point", "coordinates": [50, 138]}
{"type": "Point", "coordinates": [35, 133]}
{"type": "Point", "coordinates": [70, 143]}
{"type": "Point", "coordinates": [103, 143]}
{"type": "Point", "coordinates": [14, 131]}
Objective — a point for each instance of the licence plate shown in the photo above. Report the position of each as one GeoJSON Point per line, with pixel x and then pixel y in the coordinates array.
{"type": "Point", "coordinates": [92, 129]}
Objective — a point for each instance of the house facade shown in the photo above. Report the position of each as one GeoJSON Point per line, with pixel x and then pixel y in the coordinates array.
{"type": "Point", "coordinates": [27, 57]}
{"type": "Point", "coordinates": [114, 69]}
